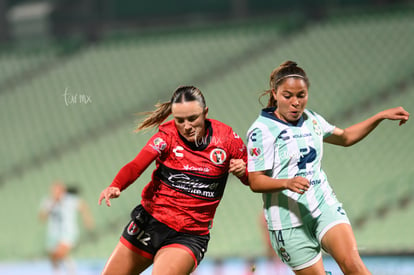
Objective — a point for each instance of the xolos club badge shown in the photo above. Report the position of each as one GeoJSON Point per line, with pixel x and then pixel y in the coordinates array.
{"type": "Point", "coordinates": [218, 156]}
{"type": "Point", "coordinates": [132, 228]}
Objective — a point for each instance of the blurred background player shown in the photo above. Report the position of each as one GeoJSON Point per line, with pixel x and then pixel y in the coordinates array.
{"type": "Point", "coordinates": [60, 211]}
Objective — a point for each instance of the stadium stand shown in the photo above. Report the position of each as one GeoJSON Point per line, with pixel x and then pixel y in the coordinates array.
{"type": "Point", "coordinates": [117, 78]}
{"type": "Point", "coordinates": [87, 142]}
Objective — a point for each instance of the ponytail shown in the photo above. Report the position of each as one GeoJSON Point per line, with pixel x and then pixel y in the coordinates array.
{"type": "Point", "coordinates": [271, 102]}
{"type": "Point", "coordinates": [163, 110]}
{"type": "Point", "coordinates": [156, 117]}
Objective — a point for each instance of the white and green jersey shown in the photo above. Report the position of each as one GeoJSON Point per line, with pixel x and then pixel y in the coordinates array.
{"type": "Point", "coordinates": [285, 151]}
{"type": "Point", "coordinates": [62, 223]}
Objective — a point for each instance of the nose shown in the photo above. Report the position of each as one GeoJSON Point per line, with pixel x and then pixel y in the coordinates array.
{"type": "Point", "coordinates": [295, 101]}
{"type": "Point", "coordinates": [187, 125]}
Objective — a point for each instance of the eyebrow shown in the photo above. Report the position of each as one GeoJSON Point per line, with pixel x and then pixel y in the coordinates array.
{"type": "Point", "coordinates": [190, 116]}
{"type": "Point", "coordinates": [289, 92]}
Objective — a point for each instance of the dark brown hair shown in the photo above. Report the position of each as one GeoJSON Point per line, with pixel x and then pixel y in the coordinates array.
{"type": "Point", "coordinates": [163, 110]}
{"type": "Point", "coordinates": [278, 75]}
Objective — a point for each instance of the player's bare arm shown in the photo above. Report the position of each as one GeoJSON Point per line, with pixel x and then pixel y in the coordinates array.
{"type": "Point", "coordinates": [261, 183]}
{"type": "Point", "coordinates": [355, 133]}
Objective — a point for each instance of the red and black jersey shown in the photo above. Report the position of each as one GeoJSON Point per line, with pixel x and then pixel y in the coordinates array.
{"type": "Point", "coordinates": [189, 180]}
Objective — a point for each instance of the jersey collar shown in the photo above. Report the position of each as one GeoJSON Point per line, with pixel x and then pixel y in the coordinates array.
{"type": "Point", "coordinates": [270, 114]}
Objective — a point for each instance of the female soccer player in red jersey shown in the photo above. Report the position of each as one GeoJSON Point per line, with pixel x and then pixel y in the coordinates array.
{"type": "Point", "coordinates": [194, 155]}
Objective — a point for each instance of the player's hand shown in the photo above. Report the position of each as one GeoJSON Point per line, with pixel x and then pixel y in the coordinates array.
{"type": "Point", "coordinates": [298, 184]}
{"type": "Point", "coordinates": [109, 193]}
{"type": "Point", "coordinates": [397, 113]}
{"type": "Point", "coordinates": [237, 167]}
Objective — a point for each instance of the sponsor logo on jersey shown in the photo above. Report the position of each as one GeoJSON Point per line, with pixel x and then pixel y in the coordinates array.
{"type": "Point", "coordinates": [179, 180]}
{"type": "Point", "coordinates": [193, 183]}
{"type": "Point", "coordinates": [253, 137]}
{"type": "Point", "coordinates": [218, 156]}
{"type": "Point", "coordinates": [302, 135]}
{"type": "Point", "coordinates": [159, 144]}
{"type": "Point", "coordinates": [341, 211]}
{"type": "Point", "coordinates": [177, 152]}
{"type": "Point", "coordinates": [199, 169]}
{"type": "Point", "coordinates": [316, 128]}
{"type": "Point", "coordinates": [283, 135]}
{"type": "Point", "coordinates": [254, 152]}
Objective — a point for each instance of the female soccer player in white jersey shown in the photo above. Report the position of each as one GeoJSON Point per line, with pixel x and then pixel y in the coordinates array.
{"type": "Point", "coordinates": [284, 163]}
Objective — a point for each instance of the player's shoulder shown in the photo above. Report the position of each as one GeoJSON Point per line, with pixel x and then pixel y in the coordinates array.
{"type": "Point", "coordinates": [314, 117]}
{"type": "Point", "coordinates": [266, 123]}
{"type": "Point", "coordinates": [312, 113]}
{"type": "Point", "coordinates": [167, 128]}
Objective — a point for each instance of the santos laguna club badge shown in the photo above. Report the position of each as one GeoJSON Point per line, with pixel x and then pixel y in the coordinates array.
{"type": "Point", "coordinates": [316, 128]}
{"type": "Point", "coordinates": [218, 156]}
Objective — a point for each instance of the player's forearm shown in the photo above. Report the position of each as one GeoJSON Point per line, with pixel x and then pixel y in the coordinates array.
{"type": "Point", "coordinates": [245, 177]}
{"type": "Point", "coordinates": [359, 131]}
{"type": "Point", "coordinates": [125, 177]}
{"type": "Point", "coordinates": [131, 171]}
{"type": "Point", "coordinates": [265, 184]}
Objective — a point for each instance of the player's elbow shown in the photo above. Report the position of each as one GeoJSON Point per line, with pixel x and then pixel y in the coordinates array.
{"type": "Point", "coordinates": [254, 185]}
{"type": "Point", "coordinates": [347, 142]}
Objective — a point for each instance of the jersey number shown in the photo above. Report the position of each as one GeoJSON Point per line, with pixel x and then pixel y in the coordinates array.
{"type": "Point", "coordinates": [280, 239]}
{"type": "Point", "coordinates": [306, 158]}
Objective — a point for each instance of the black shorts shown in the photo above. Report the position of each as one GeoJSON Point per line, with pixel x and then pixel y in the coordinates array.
{"type": "Point", "coordinates": [145, 235]}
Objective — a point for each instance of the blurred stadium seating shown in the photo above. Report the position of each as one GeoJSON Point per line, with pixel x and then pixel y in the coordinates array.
{"type": "Point", "coordinates": [358, 65]}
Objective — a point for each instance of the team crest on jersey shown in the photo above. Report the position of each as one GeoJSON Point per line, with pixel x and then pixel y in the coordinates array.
{"type": "Point", "coordinates": [316, 128]}
{"type": "Point", "coordinates": [218, 156]}
{"type": "Point", "coordinates": [132, 228]}
{"type": "Point", "coordinates": [159, 144]}
{"type": "Point", "coordinates": [284, 254]}
{"type": "Point", "coordinates": [254, 152]}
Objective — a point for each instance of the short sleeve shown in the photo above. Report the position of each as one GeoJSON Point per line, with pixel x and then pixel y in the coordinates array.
{"type": "Point", "coordinates": [260, 147]}
{"type": "Point", "coordinates": [237, 147]}
{"type": "Point", "coordinates": [326, 127]}
{"type": "Point", "coordinates": [158, 142]}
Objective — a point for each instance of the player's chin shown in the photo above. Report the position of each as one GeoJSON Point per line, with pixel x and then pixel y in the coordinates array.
{"type": "Point", "coordinates": [295, 116]}
{"type": "Point", "coordinates": [190, 138]}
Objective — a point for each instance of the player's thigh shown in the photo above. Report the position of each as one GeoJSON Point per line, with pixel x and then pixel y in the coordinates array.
{"type": "Point", "coordinates": [124, 261]}
{"type": "Point", "coordinates": [340, 243]}
{"type": "Point", "coordinates": [173, 261]}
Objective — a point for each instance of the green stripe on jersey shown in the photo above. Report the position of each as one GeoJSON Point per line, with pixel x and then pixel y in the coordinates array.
{"type": "Point", "coordinates": [285, 151]}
